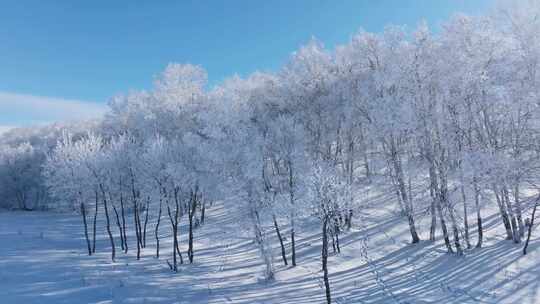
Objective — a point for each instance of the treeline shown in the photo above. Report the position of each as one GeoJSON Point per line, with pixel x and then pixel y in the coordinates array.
{"type": "Point", "coordinates": [452, 117]}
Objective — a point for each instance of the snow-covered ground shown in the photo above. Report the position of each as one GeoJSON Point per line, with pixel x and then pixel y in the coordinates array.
{"type": "Point", "coordinates": [42, 260]}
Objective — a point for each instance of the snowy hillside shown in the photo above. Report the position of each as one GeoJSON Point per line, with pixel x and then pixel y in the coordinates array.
{"type": "Point", "coordinates": [42, 260]}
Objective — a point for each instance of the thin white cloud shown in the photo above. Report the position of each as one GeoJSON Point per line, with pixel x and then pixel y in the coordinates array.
{"type": "Point", "coordinates": [22, 109]}
{"type": "Point", "coordinates": [4, 129]}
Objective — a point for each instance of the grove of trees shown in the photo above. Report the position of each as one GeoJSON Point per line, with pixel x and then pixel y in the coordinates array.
{"type": "Point", "coordinates": [453, 115]}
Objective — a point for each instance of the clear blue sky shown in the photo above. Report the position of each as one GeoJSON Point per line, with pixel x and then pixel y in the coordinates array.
{"type": "Point", "coordinates": [91, 50]}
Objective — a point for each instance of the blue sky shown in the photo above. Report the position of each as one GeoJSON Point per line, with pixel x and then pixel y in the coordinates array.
{"type": "Point", "coordinates": [83, 52]}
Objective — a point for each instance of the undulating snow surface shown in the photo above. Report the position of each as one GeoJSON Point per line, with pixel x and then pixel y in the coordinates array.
{"type": "Point", "coordinates": [43, 260]}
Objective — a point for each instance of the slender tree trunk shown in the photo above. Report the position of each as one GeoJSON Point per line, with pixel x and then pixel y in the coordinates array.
{"type": "Point", "coordinates": [190, 236]}
{"type": "Point", "coordinates": [203, 211]}
{"type": "Point", "coordinates": [145, 221]}
{"type": "Point", "coordinates": [511, 215]}
{"type": "Point", "coordinates": [410, 219]}
{"type": "Point", "coordinates": [139, 225]}
{"type": "Point", "coordinates": [412, 229]}
{"type": "Point", "coordinates": [191, 213]}
{"type": "Point", "coordinates": [444, 228]}
{"type": "Point", "coordinates": [83, 213]}
{"type": "Point", "coordinates": [337, 231]}
{"type": "Point", "coordinates": [134, 197]}
{"type": "Point", "coordinates": [178, 247]}
{"type": "Point", "coordinates": [530, 226]}
{"type": "Point", "coordinates": [324, 259]}
{"type": "Point", "coordinates": [175, 246]}
{"type": "Point", "coordinates": [113, 248]}
{"type": "Point", "coordinates": [333, 241]}
{"type": "Point", "coordinates": [95, 224]}
{"type": "Point", "coordinates": [410, 215]}
{"type": "Point", "coordinates": [283, 255]}
{"type": "Point", "coordinates": [465, 218]}
{"type": "Point", "coordinates": [444, 198]}
{"type": "Point", "coordinates": [366, 166]}
{"type": "Point", "coordinates": [119, 227]}
{"type": "Point", "coordinates": [433, 193]}
{"type": "Point", "coordinates": [350, 181]}
{"type": "Point", "coordinates": [293, 245]}
{"type": "Point", "coordinates": [402, 190]}
{"type": "Point", "coordinates": [349, 219]}
{"type": "Point", "coordinates": [293, 213]}
{"type": "Point", "coordinates": [504, 214]}
{"type": "Point", "coordinates": [137, 235]}
{"type": "Point", "coordinates": [519, 215]}
{"type": "Point", "coordinates": [260, 238]}
{"type": "Point", "coordinates": [433, 227]}
{"type": "Point", "coordinates": [156, 231]}
{"type": "Point", "coordinates": [174, 225]}
{"type": "Point", "coordinates": [124, 223]}
{"type": "Point", "coordinates": [478, 216]}
{"type": "Point", "coordinates": [457, 243]}
{"type": "Point", "coordinates": [176, 217]}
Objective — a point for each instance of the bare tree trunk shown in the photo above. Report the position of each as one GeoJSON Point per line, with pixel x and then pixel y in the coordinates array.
{"type": "Point", "coordinates": [478, 216]}
{"type": "Point", "coordinates": [137, 235]}
{"type": "Point", "coordinates": [324, 259]}
{"type": "Point", "coordinates": [444, 199]}
{"type": "Point", "coordinates": [408, 214]}
{"type": "Point", "coordinates": [134, 197]}
{"type": "Point", "coordinates": [333, 241]}
{"type": "Point", "coordinates": [293, 213]}
{"type": "Point", "coordinates": [156, 231]}
{"type": "Point", "coordinates": [203, 211]}
{"type": "Point", "coordinates": [83, 213]}
{"type": "Point", "coordinates": [175, 246]}
{"type": "Point", "coordinates": [283, 255]}
{"type": "Point", "coordinates": [139, 225]}
{"type": "Point", "coordinates": [176, 217]}
{"type": "Point", "coordinates": [191, 213]}
{"type": "Point", "coordinates": [119, 227]}
{"type": "Point", "coordinates": [175, 242]}
{"type": "Point", "coordinates": [95, 223]}
{"type": "Point", "coordinates": [350, 182]}
{"type": "Point", "coordinates": [465, 218]}
{"type": "Point", "coordinates": [530, 226]}
{"type": "Point", "coordinates": [433, 193]}
{"type": "Point", "coordinates": [104, 198]}
{"type": "Point", "coordinates": [178, 247]}
{"type": "Point", "coordinates": [174, 225]}
{"type": "Point", "coordinates": [412, 228]}
{"type": "Point", "coordinates": [293, 245]}
{"type": "Point", "coordinates": [519, 215]}
{"type": "Point", "coordinates": [456, 233]}
{"type": "Point", "coordinates": [146, 221]}
{"type": "Point", "coordinates": [337, 230]}
{"type": "Point", "coordinates": [444, 228]}
{"type": "Point", "coordinates": [123, 223]}
{"type": "Point", "coordinates": [504, 214]}
{"type": "Point", "coordinates": [264, 250]}
{"type": "Point", "coordinates": [402, 190]}
{"type": "Point", "coordinates": [511, 215]}
{"type": "Point", "coordinates": [433, 227]}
